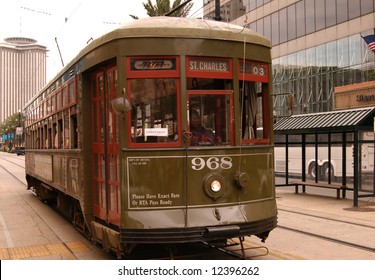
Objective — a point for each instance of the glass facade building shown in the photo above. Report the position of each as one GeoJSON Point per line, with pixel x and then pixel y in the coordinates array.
{"type": "Point", "coordinates": [316, 46]}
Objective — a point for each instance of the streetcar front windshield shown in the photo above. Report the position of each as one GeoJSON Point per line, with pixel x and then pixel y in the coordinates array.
{"type": "Point", "coordinates": [209, 119]}
{"type": "Point", "coordinates": [154, 110]}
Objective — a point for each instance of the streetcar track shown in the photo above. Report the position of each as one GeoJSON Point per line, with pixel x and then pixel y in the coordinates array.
{"type": "Point", "coordinates": [338, 241]}
{"type": "Point", "coordinates": [5, 159]}
{"type": "Point", "coordinates": [326, 218]}
{"type": "Point", "coordinates": [11, 174]}
{"type": "Point", "coordinates": [324, 237]}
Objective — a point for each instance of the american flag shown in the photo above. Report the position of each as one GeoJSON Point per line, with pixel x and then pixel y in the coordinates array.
{"type": "Point", "coordinates": [370, 41]}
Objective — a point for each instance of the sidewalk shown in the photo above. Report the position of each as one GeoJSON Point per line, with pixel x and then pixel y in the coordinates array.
{"type": "Point", "coordinates": [326, 205]}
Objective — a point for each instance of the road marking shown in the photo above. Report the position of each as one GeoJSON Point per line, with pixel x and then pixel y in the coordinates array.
{"type": "Point", "coordinates": [8, 237]}
{"type": "Point", "coordinates": [65, 251]}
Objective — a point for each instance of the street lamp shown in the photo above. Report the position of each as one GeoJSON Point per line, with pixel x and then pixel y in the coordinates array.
{"type": "Point", "coordinates": [19, 129]}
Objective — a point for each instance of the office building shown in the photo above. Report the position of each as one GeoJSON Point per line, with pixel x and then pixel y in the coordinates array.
{"type": "Point", "coordinates": [22, 73]}
{"type": "Point", "coordinates": [319, 55]}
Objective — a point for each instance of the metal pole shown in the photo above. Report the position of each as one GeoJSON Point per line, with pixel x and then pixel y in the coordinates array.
{"type": "Point", "coordinates": [286, 159]}
{"type": "Point", "coordinates": [317, 169]}
{"type": "Point", "coordinates": [58, 48]}
{"type": "Point", "coordinates": [344, 158]}
{"type": "Point", "coordinates": [217, 10]}
{"type": "Point", "coordinates": [303, 157]}
{"type": "Point", "coordinates": [329, 158]}
{"type": "Point", "coordinates": [355, 158]}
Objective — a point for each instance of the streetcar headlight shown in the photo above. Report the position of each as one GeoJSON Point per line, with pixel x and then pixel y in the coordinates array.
{"type": "Point", "coordinates": [215, 186]}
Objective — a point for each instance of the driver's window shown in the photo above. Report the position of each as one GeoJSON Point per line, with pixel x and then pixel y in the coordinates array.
{"type": "Point", "coordinates": [209, 119]}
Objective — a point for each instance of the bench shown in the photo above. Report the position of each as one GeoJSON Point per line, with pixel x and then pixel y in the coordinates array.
{"type": "Point", "coordinates": [338, 188]}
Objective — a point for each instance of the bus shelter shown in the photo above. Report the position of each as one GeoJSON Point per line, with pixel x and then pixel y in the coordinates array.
{"type": "Point", "coordinates": [331, 150]}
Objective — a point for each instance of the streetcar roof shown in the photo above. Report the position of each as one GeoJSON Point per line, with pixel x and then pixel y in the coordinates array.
{"type": "Point", "coordinates": [169, 27]}
{"type": "Point", "coordinates": [190, 28]}
{"type": "Point", "coordinates": [180, 27]}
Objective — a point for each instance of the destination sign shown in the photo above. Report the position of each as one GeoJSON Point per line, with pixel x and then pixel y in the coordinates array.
{"type": "Point", "coordinates": [153, 64]}
{"type": "Point", "coordinates": [209, 65]}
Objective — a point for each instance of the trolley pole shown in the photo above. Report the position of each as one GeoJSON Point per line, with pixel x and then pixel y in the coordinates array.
{"type": "Point", "coordinates": [177, 8]}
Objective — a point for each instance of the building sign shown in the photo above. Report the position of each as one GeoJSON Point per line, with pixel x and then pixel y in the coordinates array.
{"type": "Point", "coordinates": [9, 136]}
{"type": "Point", "coordinates": [365, 98]}
{"type": "Point", "coordinates": [355, 95]}
{"type": "Point", "coordinates": [19, 130]}
{"type": "Point", "coordinates": [254, 71]}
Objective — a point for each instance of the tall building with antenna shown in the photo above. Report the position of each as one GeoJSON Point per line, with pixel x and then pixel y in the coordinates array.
{"type": "Point", "coordinates": [22, 73]}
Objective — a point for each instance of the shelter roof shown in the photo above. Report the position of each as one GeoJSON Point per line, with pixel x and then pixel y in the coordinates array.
{"type": "Point", "coordinates": [332, 121]}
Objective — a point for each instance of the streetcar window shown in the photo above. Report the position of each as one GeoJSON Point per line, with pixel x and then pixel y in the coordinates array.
{"type": "Point", "coordinates": [60, 134]}
{"type": "Point", "coordinates": [252, 106]}
{"type": "Point", "coordinates": [72, 92]}
{"type": "Point", "coordinates": [65, 96]}
{"type": "Point", "coordinates": [209, 119]}
{"type": "Point", "coordinates": [254, 102]}
{"type": "Point", "coordinates": [154, 113]}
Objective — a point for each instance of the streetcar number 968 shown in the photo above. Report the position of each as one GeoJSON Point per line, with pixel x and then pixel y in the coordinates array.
{"type": "Point", "coordinates": [211, 163]}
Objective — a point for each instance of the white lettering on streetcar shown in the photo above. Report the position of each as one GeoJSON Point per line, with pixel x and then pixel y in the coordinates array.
{"type": "Point", "coordinates": [211, 163]}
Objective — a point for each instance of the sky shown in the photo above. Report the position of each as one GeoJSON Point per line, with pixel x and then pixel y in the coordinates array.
{"type": "Point", "coordinates": [72, 22]}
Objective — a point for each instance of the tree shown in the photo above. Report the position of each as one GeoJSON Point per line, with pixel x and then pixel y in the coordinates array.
{"type": "Point", "coordinates": [163, 6]}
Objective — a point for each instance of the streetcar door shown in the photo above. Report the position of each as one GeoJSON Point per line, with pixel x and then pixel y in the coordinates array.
{"type": "Point", "coordinates": [105, 146]}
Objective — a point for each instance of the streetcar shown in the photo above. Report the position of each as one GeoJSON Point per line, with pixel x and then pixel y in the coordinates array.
{"type": "Point", "coordinates": [110, 141]}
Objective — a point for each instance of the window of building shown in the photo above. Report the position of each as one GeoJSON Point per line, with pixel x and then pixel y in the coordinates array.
{"type": "Point", "coordinates": [310, 16]}
{"type": "Point", "coordinates": [354, 8]}
{"type": "Point", "coordinates": [292, 28]}
{"type": "Point", "coordinates": [367, 6]}
{"type": "Point", "coordinates": [275, 29]}
{"type": "Point", "coordinates": [267, 27]}
{"type": "Point", "coordinates": [330, 9]}
{"type": "Point", "coordinates": [342, 10]}
{"type": "Point", "coordinates": [305, 17]}
{"type": "Point", "coordinates": [300, 19]}
{"type": "Point", "coordinates": [320, 15]}
{"type": "Point", "coordinates": [283, 30]}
